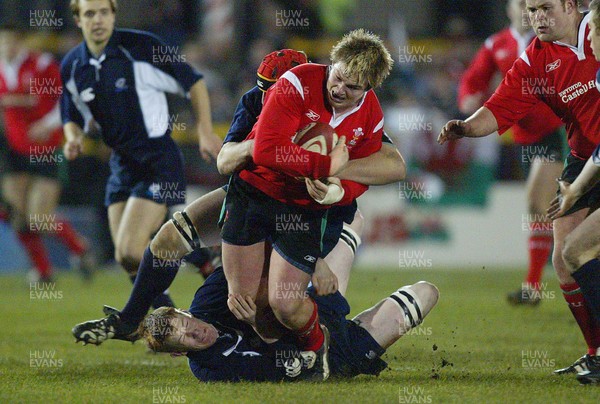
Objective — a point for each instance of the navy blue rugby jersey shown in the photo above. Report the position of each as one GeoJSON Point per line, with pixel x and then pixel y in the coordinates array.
{"type": "Point", "coordinates": [124, 89]}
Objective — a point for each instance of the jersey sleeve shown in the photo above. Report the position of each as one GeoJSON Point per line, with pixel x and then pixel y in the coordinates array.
{"type": "Point", "coordinates": [515, 96]}
{"type": "Point", "coordinates": [479, 74]}
{"type": "Point", "coordinates": [278, 122]}
{"type": "Point", "coordinates": [245, 116]}
{"type": "Point", "coordinates": [169, 70]}
{"type": "Point", "coordinates": [68, 108]}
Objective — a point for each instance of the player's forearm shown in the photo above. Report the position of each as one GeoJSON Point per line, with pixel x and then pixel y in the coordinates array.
{"type": "Point", "coordinates": [383, 167]}
{"type": "Point", "coordinates": [201, 105]}
{"type": "Point", "coordinates": [482, 123]}
{"type": "Point", "coordinates": [234, 156]}
{"type": "Point", "coordinates": [589, 176]}
{"type": "Point", "coordinates": [72, 131]}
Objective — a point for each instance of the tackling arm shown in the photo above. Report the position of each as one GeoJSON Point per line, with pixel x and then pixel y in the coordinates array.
{"type": "Point", "coordinates": [234, 156]}
{"type": "Point", "coordinates": [385, 166]}
{"type": "Point", "coordinates": [570, 193]}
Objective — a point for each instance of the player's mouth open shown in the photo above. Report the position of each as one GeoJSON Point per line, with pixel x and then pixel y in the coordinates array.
{"type": "Point", "coordinates": [336, 98]}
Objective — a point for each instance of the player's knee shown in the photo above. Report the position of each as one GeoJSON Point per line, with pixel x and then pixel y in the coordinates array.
{"type": "Point", "coordinates": [127, 259]}
{"type": "Point", "coordinates": [285, 306]}
{"type": "Point", "coordinates": [428, 295]}
{"type": "Point", "coordinates": [167, 243]}
{"type": "Point", "coordinates": [572, 254]}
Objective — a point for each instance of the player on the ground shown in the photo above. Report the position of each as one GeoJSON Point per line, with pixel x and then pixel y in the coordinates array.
{"type": "Point", "coordinates": [29, 92]}
{"type": "Point", "coordinates": [222, 348]}
{"type": "Point", "coordinates": [339, 95]}
{"type": "Point", "coordinates": [197, 226]}
{"type": "Point", "coordinates": [559, 69]}
{"type": "Point", "coordinates": [582, 247]}
{"type": "Point", "coordinates": [117, 79]}
{"type": "Point", "coordinates": [539, 133]}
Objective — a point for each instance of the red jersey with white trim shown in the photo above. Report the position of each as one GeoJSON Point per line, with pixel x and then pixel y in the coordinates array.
{"type": "Point", "coordinates": [296, 100]}
{"type": "Point", "coordinates": [563, 77]}
{"type": "Point", "coordinates": [37, 77]}
{"type": "Point", "coordinates": [498, 55]}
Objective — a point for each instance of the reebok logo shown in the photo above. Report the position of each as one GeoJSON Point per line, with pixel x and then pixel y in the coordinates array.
{"type": "Point", "coordinates": [310, 258]}
{"type": "Point", "coordinates": [553, 66]}
{"type": "Point", "coordinates": [312, 115]}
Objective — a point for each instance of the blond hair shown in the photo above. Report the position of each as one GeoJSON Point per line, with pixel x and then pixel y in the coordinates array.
{"type": "Point", "coordinates": [595, 8]}
{"type": "Point", "coordinates": [75, 6]}
{"type": "Point", "coordinates": [365, 57]}
{"type": "Point", "coordinates": [156, 327]}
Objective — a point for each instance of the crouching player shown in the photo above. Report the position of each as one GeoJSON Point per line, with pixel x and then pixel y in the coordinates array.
{"type": "Point", "coordinates": [220, 347]}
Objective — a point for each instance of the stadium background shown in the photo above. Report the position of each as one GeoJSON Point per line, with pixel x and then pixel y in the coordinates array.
{"type": "Point", "coordinates": [451, 196]}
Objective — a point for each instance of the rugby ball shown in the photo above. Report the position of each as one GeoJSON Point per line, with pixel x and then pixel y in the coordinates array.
{"type": "Point", "coordinates": [316, 137]}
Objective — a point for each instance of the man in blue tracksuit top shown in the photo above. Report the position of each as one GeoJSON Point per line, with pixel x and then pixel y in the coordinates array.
{"type": "Point", "coordinates": [116, 81]}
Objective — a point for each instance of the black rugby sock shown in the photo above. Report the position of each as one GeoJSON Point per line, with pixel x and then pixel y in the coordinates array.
{"type": "Point", "coordinates": [588, 279]}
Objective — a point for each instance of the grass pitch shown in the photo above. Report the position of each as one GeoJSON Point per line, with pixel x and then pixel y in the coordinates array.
{"type": "Point", "coordinates": [473, 347]}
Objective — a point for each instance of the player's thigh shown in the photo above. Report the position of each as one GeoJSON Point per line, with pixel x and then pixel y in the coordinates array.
{"type": "Point", "coordinates": [583, 243]}
{"type": "Point", "coordinates": [204, 213]}
{"type": "Point", "coordinates": [562, 227]}
{"type": "Point", "coordinates": [140, 220]}
{"type": "Point", "coordinates": [43, 195]}
{"type": "Point", "coordinates": [541, 185]}
{"type": "Point", "coordinates": [243, 267]}
{"type": "Point", "coordinates": [14, 190]}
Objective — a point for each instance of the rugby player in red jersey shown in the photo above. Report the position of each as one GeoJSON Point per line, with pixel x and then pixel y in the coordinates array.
{"type": "Point", "coordinates": [558, 68]}
{"type": "Point", "coordinates": [268, 195]}
{"type": "Point", "coordinates": [539, 133]}
{"type": "Point", "coordinates": [29, 92]}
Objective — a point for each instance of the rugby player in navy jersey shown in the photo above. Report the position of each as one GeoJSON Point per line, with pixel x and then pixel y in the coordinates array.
{"type": "Point", "coordinates": [116, 79]}
{"type": "Point", "coordinates": [220, 347]}
{"type": "Point", "coordinates": [180, 236]}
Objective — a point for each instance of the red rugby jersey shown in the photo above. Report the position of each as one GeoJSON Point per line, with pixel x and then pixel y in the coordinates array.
{"type": "Point", "coordinates": [297, 99]}
{"type": "Point", "coordinates": [498, 55]}
{"type": "Point", "coordinates": [37, 75]}
{"type": "Point", "coordinates": [563, 77]}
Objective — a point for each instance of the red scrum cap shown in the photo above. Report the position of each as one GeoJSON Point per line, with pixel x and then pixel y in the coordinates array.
{"type": "Point", "coordinates": [275, 64]}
